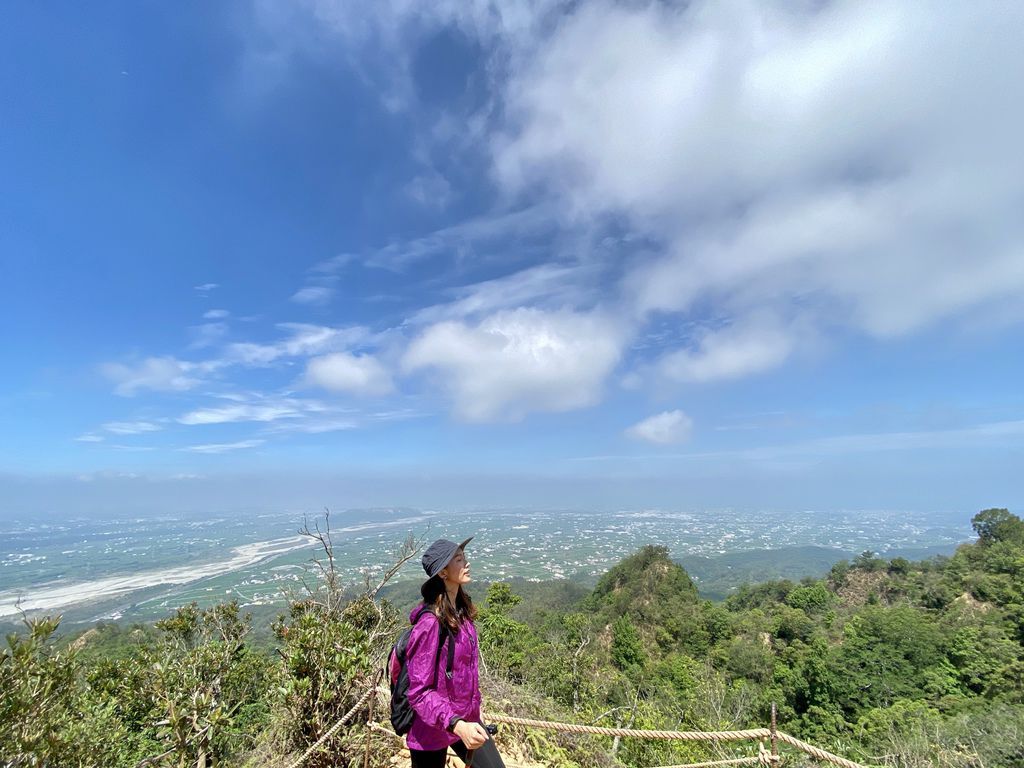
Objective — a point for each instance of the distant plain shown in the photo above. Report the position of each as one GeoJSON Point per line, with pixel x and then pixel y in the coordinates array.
{"type": "Point", "coordinates": [139, 569]}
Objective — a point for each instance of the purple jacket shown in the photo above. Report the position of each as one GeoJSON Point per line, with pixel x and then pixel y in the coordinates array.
{"type": "Point", "coordinates": [435, 707]}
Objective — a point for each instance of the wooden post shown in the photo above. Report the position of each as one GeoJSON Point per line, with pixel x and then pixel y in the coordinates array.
{"type": "Point", "coordinates": [775, 741]}
{"type": "Point", "coordinates": [369, 719]}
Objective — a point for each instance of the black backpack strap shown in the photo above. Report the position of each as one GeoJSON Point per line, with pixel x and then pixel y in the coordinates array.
{"type": "Point", "coordinates": [451, 655]}
{"type": "Point", "coordinates": [445, 636]}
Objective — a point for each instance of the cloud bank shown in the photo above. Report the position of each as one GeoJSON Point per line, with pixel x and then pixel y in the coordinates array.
{"type": "Point", "coordinates": [764, 179]}
{"type": "Point", "coordinates": [802, 171]}
{"type": "Point", "coordinates": [829, 165]}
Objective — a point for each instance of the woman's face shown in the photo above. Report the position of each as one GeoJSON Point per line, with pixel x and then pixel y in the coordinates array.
{"type": "Point", "coordinates": [457, 570]}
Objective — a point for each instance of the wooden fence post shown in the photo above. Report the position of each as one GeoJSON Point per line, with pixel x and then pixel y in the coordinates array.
{"type": "Point", "coordinates": [369, 719]}
{"type": "Point", "coordinates": [775, 741]}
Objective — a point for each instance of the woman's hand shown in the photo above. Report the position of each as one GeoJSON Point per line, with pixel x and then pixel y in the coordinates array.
{"type": "Point", "coordinates": [473, 735]}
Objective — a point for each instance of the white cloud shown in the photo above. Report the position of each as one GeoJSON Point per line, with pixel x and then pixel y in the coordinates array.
{"type": "Point", "coordinates": [355, 374]}
{"type": "Point", "coordinates": [663, 428]}
{"type": "Point", "coordinates": [518, 361]}
{"type": "Point", "coordinates": [131, 427]}
{"type": "Point", "coordinates": [216, 314]}
{"type": "Point", "coordinates": [89, 438]}
{"type": "Point", "coordinates": [729, 353]}
{"type": "Point", "coordinates": [318, 426]}
{"type": "Point", "coordinates": [224, 447]}
{"type": "Point", "coordinates": [400, 414]}
{"type": "Point", "coordinates": [161, 374]}
{"type": "Point", "coordinates": [207, 287]}
{"type": "Point", "coordinates": [335, 264]}
{"type": "Point", "coordinates": [554, 285]}
{"type": "Point", "coordinates": [848, 164]}
{"type": "Point", "coordinates": [90, 477]}
{"type": "Point", "coordinates": [241, 412]}
{"type": "Point", "coordinates": [304, 340]}
{"type": "Point", "coordinates": [168, 374]}
{"type": "Point", "coordinates": [254, 354]}
{"type": "Point", "coordinates": [235, 397]}
{"type": "Point", "coordinates": [287, 414]}
{"type": "Point", "coordinates": [332, 418]}
{"type": "Point", "coordinates": [313, 295]}
{"type": "Point", "coordinates": [208, 334]}
{"type": "Point", "coordinates": [467, 237]}
{"type": "Point", "coordinates": [431, 190]}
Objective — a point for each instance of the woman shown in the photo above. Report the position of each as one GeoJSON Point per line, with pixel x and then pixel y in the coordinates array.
{"type": "Point", "coordinates": [448, 710]}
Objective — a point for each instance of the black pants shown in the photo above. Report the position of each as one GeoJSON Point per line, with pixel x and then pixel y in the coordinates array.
{"type": "Point", "coordinates": [485, 757]}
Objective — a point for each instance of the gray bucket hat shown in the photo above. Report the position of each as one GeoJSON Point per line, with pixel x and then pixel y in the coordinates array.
{"type": "Point", "coordinates": [439, 554]}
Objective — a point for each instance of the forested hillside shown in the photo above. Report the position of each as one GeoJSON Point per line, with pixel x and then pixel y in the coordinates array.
{"type": "Point", "coordinates": [885, 661]}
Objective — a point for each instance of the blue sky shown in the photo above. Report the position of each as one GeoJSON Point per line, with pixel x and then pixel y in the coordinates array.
{"type": "Point", "coordinates": [511, 253]}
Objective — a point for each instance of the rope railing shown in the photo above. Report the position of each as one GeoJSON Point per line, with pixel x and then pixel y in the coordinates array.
{"type": "Point", "coordinates": [756, 760]}
{"type": "Point", "coordinates": [378, 728]}
{"type": "Point", "coordinates": [636, 733]}
{"type": "Point", "coordinates": [816, 752]}
{"type": "Point", "coordinates": [334, 728]}
{"type": "Point", "coordinates": [713, 736]}
{"type": "Point", "coordinates": [764, 757]}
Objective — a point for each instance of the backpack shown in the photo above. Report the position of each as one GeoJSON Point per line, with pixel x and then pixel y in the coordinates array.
{"type": "Point", "coordinates": [402, 713]}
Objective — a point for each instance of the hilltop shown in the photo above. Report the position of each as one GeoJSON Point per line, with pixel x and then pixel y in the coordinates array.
{"type": "Point", "coordinates": [885, 660]}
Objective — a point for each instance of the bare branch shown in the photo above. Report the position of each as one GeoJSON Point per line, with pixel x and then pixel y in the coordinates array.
{"type": "Point", "coordinates": [406, 552]}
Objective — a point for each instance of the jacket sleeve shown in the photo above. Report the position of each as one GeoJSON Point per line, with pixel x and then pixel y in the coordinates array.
{"type": "Point", "coordinates": [433, 708]}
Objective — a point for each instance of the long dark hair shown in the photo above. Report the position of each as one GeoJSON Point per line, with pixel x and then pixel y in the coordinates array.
{"type": "Point", "coordinates": [435, 595]}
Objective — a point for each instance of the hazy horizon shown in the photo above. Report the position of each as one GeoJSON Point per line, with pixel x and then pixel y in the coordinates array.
{"type": "Point", "coordinates": [113, 496]}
